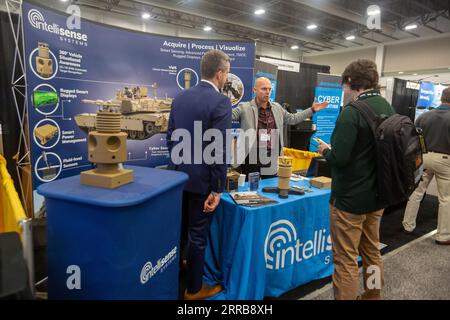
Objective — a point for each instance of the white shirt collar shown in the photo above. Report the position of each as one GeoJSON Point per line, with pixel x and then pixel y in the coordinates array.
{"type": "Point", "coordinates": [214, 86]}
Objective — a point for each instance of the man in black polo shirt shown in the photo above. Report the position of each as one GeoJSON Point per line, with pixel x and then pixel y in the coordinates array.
{"type": "Point", "coordinates": [436, 128]}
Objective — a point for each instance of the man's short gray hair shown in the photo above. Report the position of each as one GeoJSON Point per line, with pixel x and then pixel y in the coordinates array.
{"type": "Point", "coordinates": [445, 98]}
{"type": "Point", "coordinates": [212, 62]}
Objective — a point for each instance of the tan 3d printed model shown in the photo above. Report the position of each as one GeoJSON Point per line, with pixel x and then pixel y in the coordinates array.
{"type": "Point", "coordinates": [284, 175]}
{"type": "Point", "coordinates": [107, 148]}
{"type": "Point", "coordinates": [44, 65]}
{"type": "Point", "coordinates": [187, 79]}
{"type": "Point", "coordinates": [45, 133]}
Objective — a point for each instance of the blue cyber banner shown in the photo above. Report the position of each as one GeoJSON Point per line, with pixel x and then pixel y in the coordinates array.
{"type": "Point", "coordinates": [329, 89]}
{"type": "Point", "coordinates": [93, 63]}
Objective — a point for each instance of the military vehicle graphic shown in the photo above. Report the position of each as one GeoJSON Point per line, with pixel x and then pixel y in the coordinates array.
{"type": "Point", "coordinates": [142, 116]}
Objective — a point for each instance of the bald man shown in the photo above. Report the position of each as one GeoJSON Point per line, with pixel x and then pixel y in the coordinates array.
{"type": "Point", "coordinates": [263, 116]}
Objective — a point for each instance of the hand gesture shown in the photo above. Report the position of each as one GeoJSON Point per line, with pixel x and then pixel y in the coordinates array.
{"type": "Point", "coordinates": [316, 106]}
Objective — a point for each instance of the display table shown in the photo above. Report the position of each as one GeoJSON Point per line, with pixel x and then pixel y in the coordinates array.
{"type": "Point", "coordinates": [264, 252]}
{"type": "Point", "coordinates": [115, 244]}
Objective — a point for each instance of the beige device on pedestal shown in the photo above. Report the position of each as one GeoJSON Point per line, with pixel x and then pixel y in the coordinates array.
{"type": "Point", "coordinates": [44, 65]}
{"type": "Point", "coordinates": [108, 149]}
{"type": "Point", "coordinates": [284, 176]}
{"type": "Point", "coordinates": [187, 79]}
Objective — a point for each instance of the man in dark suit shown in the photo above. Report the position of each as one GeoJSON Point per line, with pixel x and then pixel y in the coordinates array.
{"type": "Point", "coordinates": [194, 111]}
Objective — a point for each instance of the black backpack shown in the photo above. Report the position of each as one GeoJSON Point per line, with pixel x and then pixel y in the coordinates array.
{"type": "Point", "coordinates": [399, 149]}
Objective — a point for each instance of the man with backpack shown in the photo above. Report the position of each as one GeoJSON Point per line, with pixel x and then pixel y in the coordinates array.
{"type": "Point", "coordinates": [436, 128]}
{"type": "Point", "coordinates": [355, 209]}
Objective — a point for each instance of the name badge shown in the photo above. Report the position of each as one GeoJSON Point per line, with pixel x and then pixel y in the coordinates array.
{"type": "Point", "coordinates": [265, 137]}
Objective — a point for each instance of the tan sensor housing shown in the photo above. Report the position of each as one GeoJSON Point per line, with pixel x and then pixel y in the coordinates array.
{"type": "Point", "coordinates": [44, 65]}
{"type": "Point", "coordinates": [107, 148]}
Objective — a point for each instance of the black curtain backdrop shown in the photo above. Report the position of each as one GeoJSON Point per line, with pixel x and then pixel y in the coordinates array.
{"type": "Point", "coordinates": [8, 115]}
{"type": "Point", "coordinates": [297, 90]}
{"type": "Point", "coordinates": [404, 99]}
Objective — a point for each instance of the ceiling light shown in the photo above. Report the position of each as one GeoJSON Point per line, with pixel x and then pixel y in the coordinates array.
{"type": "Point", "coordinates": [401, 72]}
{"type": "Point", "coordinates": [260, 12]}
{"type": "Point", "coordinates": [207, 28]}
{"type": "Point", "coordinates": [145, 15]}
{"type": "Point", "coordinates": [411, 27]}
{"type": "Point", "coordinates": [350, 38]}
{"type": "Point", "coordinates": [294, 47]}
{"type": "Point", "coordinates": [311, 27]}
{"type": "Point", "coordinates": [63, 0]}
{"type": "Point", "coordinates": [415, 74]}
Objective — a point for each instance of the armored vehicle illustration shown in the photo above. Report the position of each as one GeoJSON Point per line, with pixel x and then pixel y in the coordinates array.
{"type": "Point", "coordinates": [141, 116]}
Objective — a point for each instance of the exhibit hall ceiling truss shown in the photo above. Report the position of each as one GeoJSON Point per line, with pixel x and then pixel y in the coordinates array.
{"type": "Point", "coordinates": [332, 23]}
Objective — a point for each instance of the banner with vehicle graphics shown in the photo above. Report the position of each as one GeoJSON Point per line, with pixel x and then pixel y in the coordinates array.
{"type": "Point", "coordinates": [74, 72]}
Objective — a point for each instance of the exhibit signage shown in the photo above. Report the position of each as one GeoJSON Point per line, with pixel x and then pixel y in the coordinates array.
{"type": "Point", "coordinates": [429, 97]}
{"type": "Point", "coordinates": [329, 89]}
{"type": "Point", "coordinates": [283, 64]}
{"type": "Point", "coordinates": [73, 73]}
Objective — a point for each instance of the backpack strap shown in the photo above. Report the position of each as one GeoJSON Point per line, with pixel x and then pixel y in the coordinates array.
{"type": "Point", "coordinates": [372, 118]}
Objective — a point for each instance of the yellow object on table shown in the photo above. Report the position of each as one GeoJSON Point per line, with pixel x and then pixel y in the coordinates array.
{"type": "Point", "coordinates": [302, 159]}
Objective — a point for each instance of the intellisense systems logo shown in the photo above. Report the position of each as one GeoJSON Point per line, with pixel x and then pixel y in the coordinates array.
{"type": "Point", "coordinates": [283, 247]}
{"type": "Point", "coordinates": [37, 20]}
{"type": "Point", "coordinates": [148, 271]}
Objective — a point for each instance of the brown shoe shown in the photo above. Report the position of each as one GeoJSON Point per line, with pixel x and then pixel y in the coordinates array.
{"type": "Point", "coordinates": [442, 243]}
{"type": "Point", "coordinates": [205, 292]}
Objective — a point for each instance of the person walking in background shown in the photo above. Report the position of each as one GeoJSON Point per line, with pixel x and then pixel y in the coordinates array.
{"type": "Point", "coordinates": [436, 128]}
{"type": "Point", "coordinates": [202, 104]}
{"type": "Point", "coordinates": [355, 213]}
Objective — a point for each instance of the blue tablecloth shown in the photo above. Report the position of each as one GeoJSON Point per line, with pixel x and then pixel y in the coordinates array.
{"type": "Point", "coordinates": [267, 251]}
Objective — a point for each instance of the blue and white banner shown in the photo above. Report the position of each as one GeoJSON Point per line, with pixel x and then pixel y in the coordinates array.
{"type": "Point", "coordinates": [329, 89]}
{"type": "Point", "coordinates": [429, 97]}
{"type": "Point", "coordinates": [72, 73]}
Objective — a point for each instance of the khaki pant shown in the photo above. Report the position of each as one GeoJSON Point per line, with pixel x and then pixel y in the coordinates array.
{"type": "Point", "coordinates": [437, 166]}
{"type": "Point", "coordinates": [354, 235]}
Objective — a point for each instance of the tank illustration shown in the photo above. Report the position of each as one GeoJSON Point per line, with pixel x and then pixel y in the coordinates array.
{"type": "Point", "coordinates": [141, 116]}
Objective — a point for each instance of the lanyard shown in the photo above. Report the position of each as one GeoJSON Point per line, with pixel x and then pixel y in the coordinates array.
{"type": "Point", "coordinates": [369, 94]}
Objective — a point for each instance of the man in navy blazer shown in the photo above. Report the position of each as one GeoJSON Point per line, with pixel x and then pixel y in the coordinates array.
{"type": "Point", "coordinates": [194, 112]}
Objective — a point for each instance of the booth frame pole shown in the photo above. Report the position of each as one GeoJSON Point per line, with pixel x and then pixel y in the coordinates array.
{"type": "Point", "coordinates": [19, 87]}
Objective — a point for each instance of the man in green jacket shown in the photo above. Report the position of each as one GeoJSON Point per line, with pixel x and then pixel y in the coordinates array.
{"type": "Point", "coordinates": [355, 214]}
